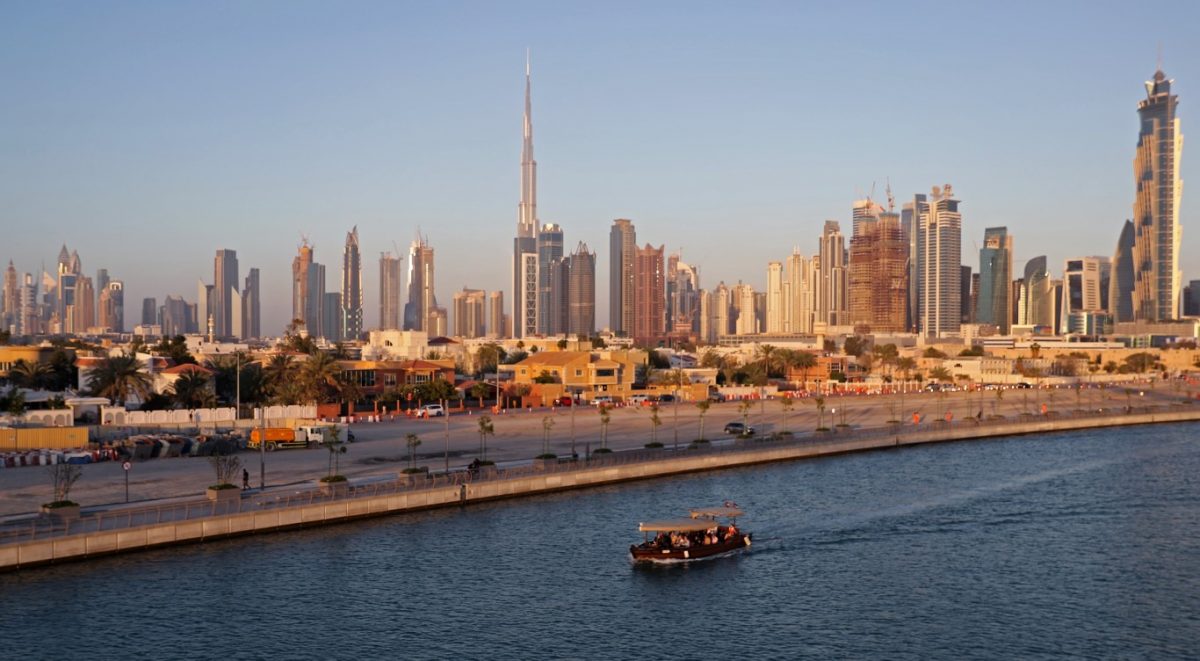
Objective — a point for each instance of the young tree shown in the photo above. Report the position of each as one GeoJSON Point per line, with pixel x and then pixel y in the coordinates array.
{"type": "Point", "coordinates": [485, 429]}
{"type": "Point", "coordinates": [63, 477]}
{"type": "Point", "coordinates": [744, 407]}
{"type": "Point", "coordinates": [786, 403]}
{"type": "Point", "coordinates": [819, 402]}
{"type": "Point", "coordinates": [703, 405]}
{"type": "Point", "coordinates": [226, 467]}
{"type": "Point", "coordinates": [655, 422]}
{"type": "Point", "coordinates": [481, 390]}
{"type": "Point", "coordinates": [412, 441]}
{"type": "Point", "coordinates": [547, 425]}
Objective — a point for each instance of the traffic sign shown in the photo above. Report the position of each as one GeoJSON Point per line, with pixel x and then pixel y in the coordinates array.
{"type": "Point", "coordinates": [127, 465]}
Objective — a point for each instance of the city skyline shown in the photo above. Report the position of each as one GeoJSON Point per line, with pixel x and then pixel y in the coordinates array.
{"type": "Point", "coordinates": [770, 207]}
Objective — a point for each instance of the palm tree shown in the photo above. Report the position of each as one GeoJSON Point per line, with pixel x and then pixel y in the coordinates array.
{"type": "Point", "coordinates": [480, 390]}
{"type": "Point", "coordinates": [805, 361]}
{"type": "Point", "coordinates": [703, 405]}
{"type": "Point", "coordinates": [119, 377]}
{"type": "Point", "coordinates": [278, 379]}
{"type": "Point", "coordinates": [547, 424]}
{"type": "Point", "coordinates": [319, 378]}
{"type": "Point", "coordinates": [766, 355]}
{"type": "Point", "coordinates": [34, 375]}
{"type": "Point", "coordinates": [605, 418]}
{"type": "Point", "coordinates": [940, 374]}
{"type": "Point", "coordinates": [488, 357]}
{"type": "Point", "coordinates": [191, 390]}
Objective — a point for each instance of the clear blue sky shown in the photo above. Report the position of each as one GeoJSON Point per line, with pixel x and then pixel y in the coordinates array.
{"type": "Point", "coordinates": [147, 135]}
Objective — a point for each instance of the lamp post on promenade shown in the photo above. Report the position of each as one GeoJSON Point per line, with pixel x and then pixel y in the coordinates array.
{"type": "Point", "coordinates": [446, 444]}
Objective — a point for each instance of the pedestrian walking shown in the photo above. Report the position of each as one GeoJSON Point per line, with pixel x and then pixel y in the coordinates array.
{"type": "Point", "coordinates": [245, 479]}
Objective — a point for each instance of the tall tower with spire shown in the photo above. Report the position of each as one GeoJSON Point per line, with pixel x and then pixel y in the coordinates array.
{"type": "Point", "coordinates": [525, 252]}
{"type": "Point", "coordinates": [1157, 285]}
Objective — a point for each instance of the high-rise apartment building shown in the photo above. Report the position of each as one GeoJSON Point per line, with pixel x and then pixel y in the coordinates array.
{"type": "Point", "coordinates": [1086, 282]}
{"type": "Point", "coordinates": [683, 297]}
{"type": "Point", "coordinates": [774, 297]}
{"type": "Point", "coordinates": [743, 299]}
{"type": "Point", "coordinates": [352, 293]}
{"type": "Point", "coordinates": [941, 277]}
{"type": "Point", "coordinates": [622, 251]}
{"type": "Point", "coordinates": [422, 302]}
{"type": "Point", "coordinates": [300, 290]}
{"type": "Point", "coordinates": [469, 307]}
{"type": "Point", "coordinates": [649, 295]}
{"type": "Point", "coordinates": [831, 293]}
{"type": "Point", "coordinates": [10, 302]}
{"type": "Point", "coordinates": [331, 315]}
{"type": "Point", "coordinates": [252, 305]}
{"type": "Point", "coordinates": [1159, 190]}
{"type": "Point", "coordinates": [390, 283]}
{"type": "Point", "coordinates": [111, 306]}
{"type": "Point", "coordinates": [799, 293]}
{"type": "Point", "coordinates": [995, 280]}
{"type": "Point", "coordinates": [497, 318]}
{"type": "Point", "coordinates": [29, 320]}
{"type": "Point", "coordinates": [581, 292]}
{"type": "Point", "coordinates": [878, 270]}
{"type": "Point", "coordinates": [178, 317]}
{"type": "Point", "coordinates": [525, 250]}
{"type": "Point", "coordinates": [225, 286]}
{"type": "Point", "coordinates": [83, 315]}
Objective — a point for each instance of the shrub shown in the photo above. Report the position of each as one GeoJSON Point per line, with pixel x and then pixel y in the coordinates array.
{"type": "Point", "coordinates": [331, 478]}
{"type": "Point", "coordinates": [655, 445]}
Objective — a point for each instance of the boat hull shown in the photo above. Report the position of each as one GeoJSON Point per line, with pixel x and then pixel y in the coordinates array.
{"type": "Point", "coordinates": [647, 553]}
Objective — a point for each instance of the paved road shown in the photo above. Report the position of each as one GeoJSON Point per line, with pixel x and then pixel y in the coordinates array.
{"type": "Point", "coordinates": [380, 448]}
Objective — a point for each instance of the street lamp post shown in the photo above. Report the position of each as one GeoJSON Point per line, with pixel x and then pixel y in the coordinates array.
{"type": "Point", "coordinates": [574, 404]}
{"type": "Point", "coordinates": [262, 449]}
{"type": "Point", "coordinates": [446, 414]}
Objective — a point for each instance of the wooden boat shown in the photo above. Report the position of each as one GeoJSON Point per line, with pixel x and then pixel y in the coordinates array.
{"type": "Point", "coordinates": [702, 535]}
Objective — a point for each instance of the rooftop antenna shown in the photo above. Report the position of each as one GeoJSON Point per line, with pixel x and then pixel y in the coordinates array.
{"type": "Point", "coordinates": [1159, 64]}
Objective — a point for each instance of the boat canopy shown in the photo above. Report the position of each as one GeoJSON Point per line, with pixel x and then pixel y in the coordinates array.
{"type": "Point", "coordinates": [675, 525]}
{"type": "Point", "coordinates": [716, 512]}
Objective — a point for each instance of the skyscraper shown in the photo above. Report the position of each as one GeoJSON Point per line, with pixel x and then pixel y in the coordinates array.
{"type": "Point", "coordinates": [252, 306]}
{"type": "Point", "coordinates": [649, 295]}
{"type": "Point", "coordinates": [300, 264]}
{"type": "Point", "coordinates": [390, 279]}
{"type": "Point", "coordinates": [315, 315]}
{"type": "Point", "coordinates": [799, 293]}
{"type": "Point", "coordinates": [422, 303]}
{"type": "Point", "coordinates": [469, 313]}
{"type": "Point", "coordinates": [1159, 190]}
{"type": "Point", "coordinates": [550, 276]}
{"type": "Point", "coordinates": [581, 292]}
{"type": "Point", "coordinates": [622, 249]}
{"type": "Point", "coordinates": [1085, 290]}
{"type": "Point", "coordinates": [331, 314]}
{"type": "Point", "coordinates": [995, 279]}
{"type": "Point", "coordinates": [1039, 305]}
{"type": "Point", "coordinates": [111, 306]}
{"type": "Point", "coordinates": [941, 270]}
{"type": "Point", "coordinates": [497, 318]}
{"type": "Point", "coordinates": [149, 311]}
{"type": "Point", "coordinates": [831, 294]}
{"type": "Point", "coordinates": [1120, 287]}
{"type": "Point", "coordinates": [10, 309]}
{"type": "Point", "coordinates": [747, 315]}
{"type": "Point", "coordinates": [910, 223]}
{"type": "Point", "coordinates": [878, 271]}
{"type": "Point", "coordinates": [225, 283]}
{"type": "Point", "coordinates": [352, 296]}
{"type": "Point", "coordinates": [525, 249]}
{"type": "Point", "coordinates": [683, 296]}
{"type": "Point", "coordinates": [774, 297]}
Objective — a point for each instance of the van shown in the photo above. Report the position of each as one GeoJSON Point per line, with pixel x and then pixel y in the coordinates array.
{"type": "Point", "coordinates": [638, 399]}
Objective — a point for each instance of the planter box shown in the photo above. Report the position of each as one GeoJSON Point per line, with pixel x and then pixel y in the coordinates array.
{"type": "Point", "coordinates": [415, 478]}
{"type": "Point", "coordinates": [334, 488]}
{"type": "Point", "coordinates": [68, 513]}
{"type": "Point", "coordinates": [223, 495]}
{"type": "Point", "coordinates": [543, 464]}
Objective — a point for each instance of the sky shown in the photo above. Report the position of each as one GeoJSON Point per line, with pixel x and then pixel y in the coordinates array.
{"type": "Point", "coordinates": [147, 135]}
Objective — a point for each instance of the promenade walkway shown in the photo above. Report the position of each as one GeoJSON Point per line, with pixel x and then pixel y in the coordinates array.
{"type": "Point", "coordinates": [38, 539]}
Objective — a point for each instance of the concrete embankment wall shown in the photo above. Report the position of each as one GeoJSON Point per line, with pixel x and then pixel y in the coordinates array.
{"type": "Point", "coordinates": [30, 553]}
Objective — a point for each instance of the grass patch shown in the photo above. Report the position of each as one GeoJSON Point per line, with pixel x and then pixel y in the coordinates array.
{"type": "Point", "coordinates": [62, 503]}
{"type": "Point", "coordinates": [328, 479]}
{"type": "Point", "coordinates": [602, 451]}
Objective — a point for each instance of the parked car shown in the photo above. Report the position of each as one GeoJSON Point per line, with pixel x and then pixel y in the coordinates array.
{"type": "Point", "coordinates": [716, 397]}
{"type": "Point", "coordinates": [739, 429]}
{"type": "Point", "coordinates": [432, 411]}
{"type": "Point", "coordinates": [635, 400]}
{"type": "Point", "coordinates": [602, 400]}
{"type": "Point", "coordinates": [565, 400]}
{"type": "Point", "coordinates": [666, 398]}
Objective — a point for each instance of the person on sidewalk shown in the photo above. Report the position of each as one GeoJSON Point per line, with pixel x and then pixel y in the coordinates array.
{"type": "Point", "coordinates": [245, 479]}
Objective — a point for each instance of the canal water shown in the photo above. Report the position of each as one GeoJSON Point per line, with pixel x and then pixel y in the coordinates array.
{"type": "Point", "coordinates": [1082, 544]}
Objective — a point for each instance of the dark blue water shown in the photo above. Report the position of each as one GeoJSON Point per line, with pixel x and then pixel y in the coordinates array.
{"type": "Point", "coordinates": [1081, 545]}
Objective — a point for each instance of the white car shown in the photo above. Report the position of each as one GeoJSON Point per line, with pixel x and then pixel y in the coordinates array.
{"type": "Point", "coordinates": [602, 400]}
{"type": "Point", "coordinates": [432, 411]}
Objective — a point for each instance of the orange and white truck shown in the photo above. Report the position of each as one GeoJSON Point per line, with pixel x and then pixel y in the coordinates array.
{"type": "Point", "coordinates": [285, 437]}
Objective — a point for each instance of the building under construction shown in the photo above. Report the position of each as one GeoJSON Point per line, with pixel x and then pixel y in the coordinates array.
{"type": "Point", "coordinates": [878, 271]}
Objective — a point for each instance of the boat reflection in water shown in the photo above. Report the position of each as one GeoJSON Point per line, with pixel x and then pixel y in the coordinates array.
{"type": "Point", "coordinates": [707, 533]}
